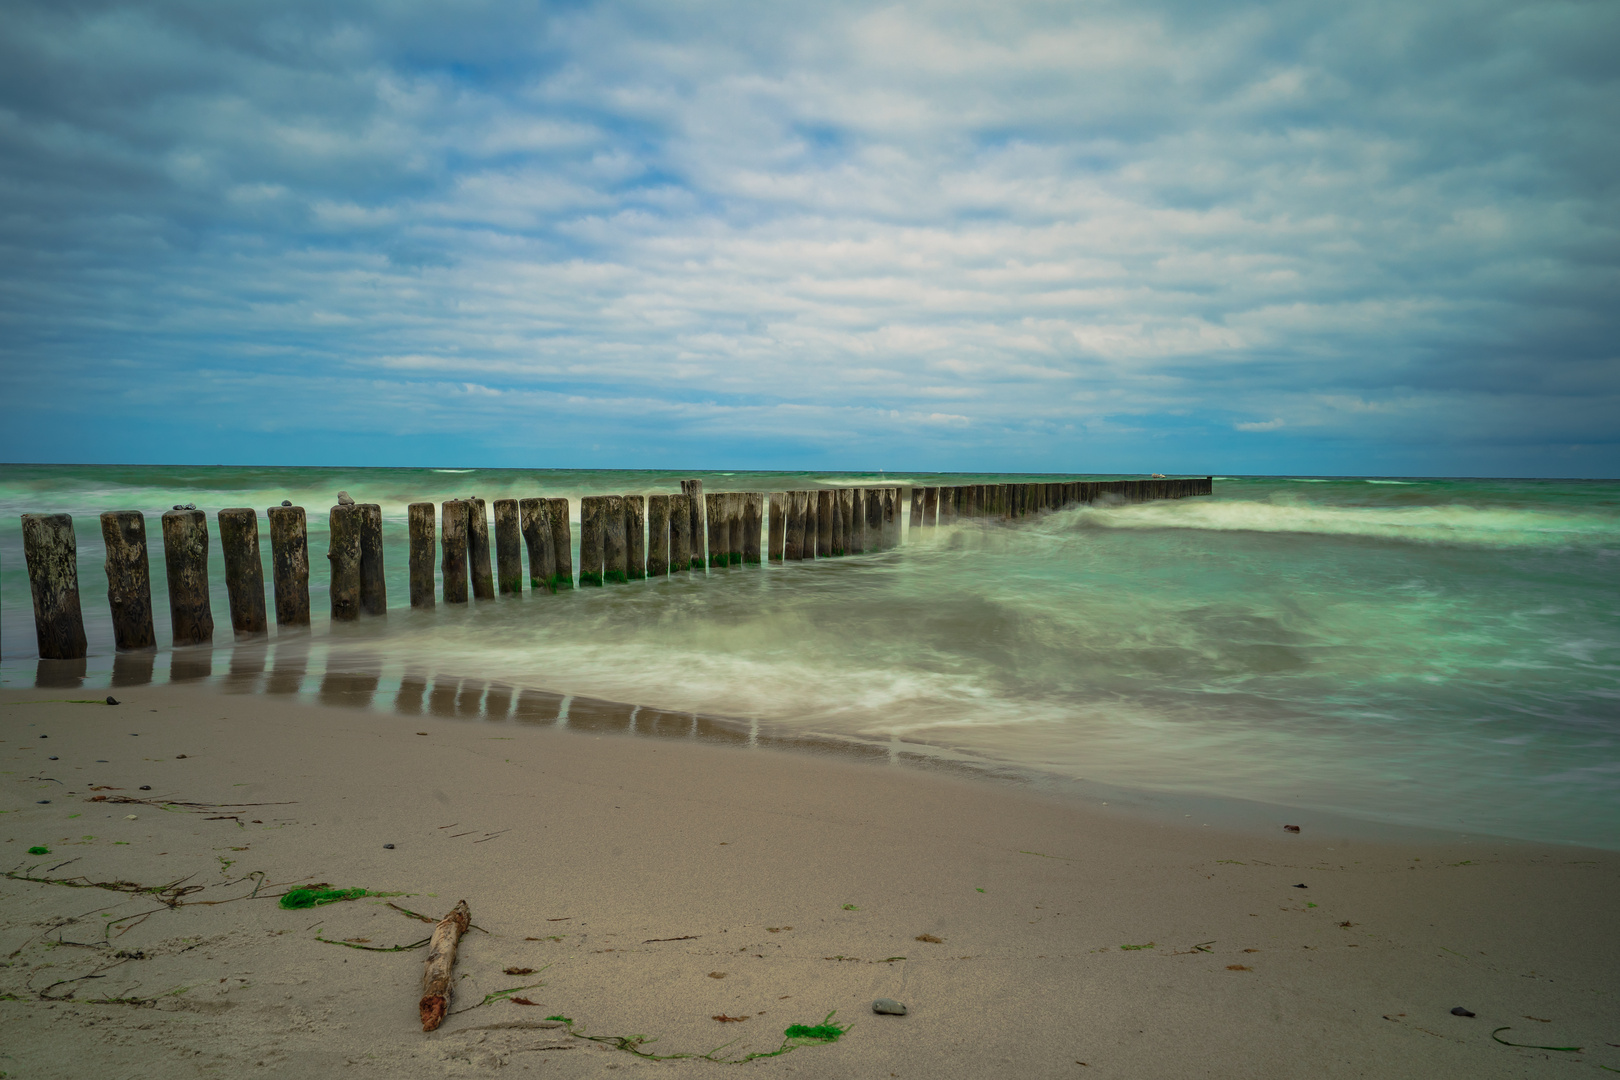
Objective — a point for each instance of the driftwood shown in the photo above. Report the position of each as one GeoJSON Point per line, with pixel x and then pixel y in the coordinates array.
{"type": "Point", "coordinates": [435, 1003]}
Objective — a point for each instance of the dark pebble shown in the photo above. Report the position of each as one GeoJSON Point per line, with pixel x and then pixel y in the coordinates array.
{"type": "Point", "coordinates": [146, 787]}
{"type": "Point", "coordinates": [888, 1007]}
{"type": "Point", "coordinates": [390, 847]}
{"type": "Point", "coordinates": [1301, 886]}
{"type": "Point", "coordinates": [286, 502]}
{"type": "Point", "coordinates": [42, 802]}
{"type": "Point", "coordinates": [53, 757]}
{"type": "Point", "coordinates": [111, 700]}
{"type": "Point", "coordinates": [1460, 1011]}
{"type": "Point", "coordinates": [44, 736]}
{"type": "Point", "coordinates": [177, 757]}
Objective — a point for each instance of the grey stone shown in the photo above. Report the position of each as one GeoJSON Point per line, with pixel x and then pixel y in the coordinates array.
{"type": "Point", "coordinates": [888, 1007]}
{"type": "Point", "coordinates": [344, 499]}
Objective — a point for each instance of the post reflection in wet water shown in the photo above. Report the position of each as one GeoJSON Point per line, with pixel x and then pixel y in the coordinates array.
{"type": "Point", "coordinates": [347, 679]}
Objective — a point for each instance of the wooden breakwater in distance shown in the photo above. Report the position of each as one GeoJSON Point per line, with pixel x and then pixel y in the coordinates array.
{"type": "Point", "coordinates": [623, 538]}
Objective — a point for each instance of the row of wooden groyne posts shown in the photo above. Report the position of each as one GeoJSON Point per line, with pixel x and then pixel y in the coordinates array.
{"type": "Point", "coordinates": [622, 538]}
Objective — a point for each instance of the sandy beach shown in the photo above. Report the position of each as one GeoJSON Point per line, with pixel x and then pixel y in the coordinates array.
{"type": "Point", "coordinates": [653, 885]}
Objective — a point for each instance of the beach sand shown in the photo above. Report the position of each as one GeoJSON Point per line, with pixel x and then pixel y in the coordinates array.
{"type": "Point", "coordinates": [1074, 939]}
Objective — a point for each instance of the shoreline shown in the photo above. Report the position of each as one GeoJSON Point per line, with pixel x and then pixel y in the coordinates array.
{"type": "Point", "coordinates": [450, 697]}
{"type": "Point", "coordinates": [659, 861]}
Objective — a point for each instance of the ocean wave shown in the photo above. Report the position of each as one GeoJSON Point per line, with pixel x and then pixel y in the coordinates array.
{"type": "Point", "coordinates": [1468, 525]}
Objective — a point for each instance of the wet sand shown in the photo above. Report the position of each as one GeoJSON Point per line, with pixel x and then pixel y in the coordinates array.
{"type": "Point", "coordinates": [1073, 939]}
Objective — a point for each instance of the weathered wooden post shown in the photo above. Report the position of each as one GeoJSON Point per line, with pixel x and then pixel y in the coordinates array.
{"type": "Point", "coordinates": [635, 528]}
{"type": "Point", "coordinates": [534, 525]}
{"type": "Point", "coordinates": [508, 547]}
{"type": "Point", "coordinates": [734, 530]}
{"type": "Point", "coordinates": [289, 565]}
{"type": "Point", "coordinates": [423, 542]}
{"type": "Point", "coordinates": [680, 533]}
{"type": "Point", "coordinates": [856, 506]}
{"type": "Point", "coordinates": [877, 537]}
{"type": "Point", "coordinates": [930, 507]}
{"type": "Point", "coordinates": [778, 526]}
{"type": "Point", "coordinates": [590, 540]}
{"type": "Point", "coordinates": [793, 539]}
{"type": "Point", "coordinates": [891, 518]}
{"type": "Point", "coordinates": [615, 541]}
{"type": "Point", "coordinates": [562, 544]}
{"type": "Point", "coordinates": [454, 516]}
{"type": "Point", "coordinates": [483, 580]}
{"type": "Point", "coordinates": [714, 509]}
{"type": "Point", "coordinates": [185, 557]}
{"type": "Point", "coordinates": [812, 527]}
{"type": "Point", "coordinates": [129, 580]}
{"type": "Point", "coordinates": [836, 504]}
{"type": "Point", "coordinates": [694, 492]}
{"type": "Point", "coordinates": [823, 522]}
{"type": "Point", "coordinates": [915, 521]}
{"type": "Point", "coordinates": [657, 535]}
{"type": "Point", "coordinates": [752, 520]}
{"type": "Point", "coordinates": [244, 570]}
{"type": "Point", "coordinates": [945, 506]}
{"type": "Point", "coordinates": [51, 552]}
{"type": "Point", "coordinates": [373, 582]}
{"type": "Point", "coordinates": [343, 558]}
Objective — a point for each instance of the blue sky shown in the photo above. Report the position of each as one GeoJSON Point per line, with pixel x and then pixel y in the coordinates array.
{"type": "Point", "coordinates": [1218, 237]}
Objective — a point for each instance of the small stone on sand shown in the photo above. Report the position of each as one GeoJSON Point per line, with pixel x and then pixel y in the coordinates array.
{"type": "Point", "coordinates": [389, 847]}
{"type": "Point", "coordinates": [130, 817]}
{"type": "Point", "coordinates": [888, 1007]}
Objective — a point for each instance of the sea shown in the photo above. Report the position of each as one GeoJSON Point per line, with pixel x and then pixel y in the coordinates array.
{"type": "Point", "coordinates": [1437, 653]}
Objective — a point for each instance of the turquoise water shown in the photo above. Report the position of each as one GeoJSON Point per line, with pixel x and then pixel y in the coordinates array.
{"type": "Point", "coordinates": [1432, 652]}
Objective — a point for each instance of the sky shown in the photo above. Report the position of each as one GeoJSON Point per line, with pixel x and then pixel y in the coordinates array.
{"type": "Point", "coordinates": [1203, 237]}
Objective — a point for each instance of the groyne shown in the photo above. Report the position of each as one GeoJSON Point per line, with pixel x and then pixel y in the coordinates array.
{"type": "Point", "coordinates": [622, 539]}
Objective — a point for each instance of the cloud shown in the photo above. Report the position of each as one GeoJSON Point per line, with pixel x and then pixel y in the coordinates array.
{"type": "Point", "coordinates": [1134, 227]}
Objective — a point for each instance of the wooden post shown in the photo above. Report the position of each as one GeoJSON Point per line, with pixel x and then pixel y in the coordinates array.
{"type": "Point", "coordinates": [753, 514]}
{"type": "Point", "coordinates": [129, 580]}
{"type": "Point", "coordinates": [857, 521]}
{"type": "Point", "coordinates": [845, 515]}
{"type": "Point", "coordinates": [562, 544]}
{"type": "Point", "coordinates": [916, 510]}
{"type": "Point", "coordinates": [185, 557]}
{"type": "Point", "coordinates": [812, 524]}
{"type": "Point", "coordinates": [823, 522]}
{"type": "Point", "coordinates": [694, 492]}
{"type": "Point", "coordinates": [453, 547]}
{"type": "Point", "coordinates": [615, 550]}
{"type": "Point", "coordinates": [373, 583]}
{"type": "Point", "coordinates": [736, 503]}
{"type": "Point", "coordinates": [930, 507]}
{"type": "Point", "coordinates": [891, 516]}
{"type": "Point", "coordinates": [836, 519]}
{"type": "Point", "coordinates": [680, 533]}
{"type": "Point", "coordinates": [590, 541]}
{"type": "Point", "coordinates": [534, 525]}
{"type": "Point", "coordinates": [508, 547]}
{"type": "Point", "coordinates": [635, 528]}
{"type": "Point", "coordinates": [423, 541]}
{"type": "Point", "coordinates": [793, 539]}
{"type": "Point", "coordinates": [289, 565]}
{"type": "Point", "coordinates": [657, 535]}
{"type": "Point", "coordinates": [778, 526]}
{"type": "Point", "coordinates": [719, 536]}
{"type": "Point", "coordinates": [51, 552]}
{"type": "Point", "coordinates": [876, 540]}
{"type": "Point", "coordinates": [343, 557]}
{"type": "Point", "coordinates": [483, 581]}
{"type": "Point", "coordinates": [244, 570]}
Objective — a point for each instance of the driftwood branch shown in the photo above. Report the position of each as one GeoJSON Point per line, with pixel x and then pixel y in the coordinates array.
{"type": "Point", "coordinates": [435, 1003]}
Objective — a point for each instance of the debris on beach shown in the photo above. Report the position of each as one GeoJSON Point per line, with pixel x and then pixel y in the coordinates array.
{"type": "Point", "coordinates": [1460, 1011]}
{"type": "Point", "coordinates": [931, 938]}
{"type": "Point", "coordinates": [441, 959]}
{"type": "Point", "coordinates": [888, 1007]}
{"type": "Point", "coordinates": [1291, 828]}
{"type": "Point", "coordinates": [315, 895]}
